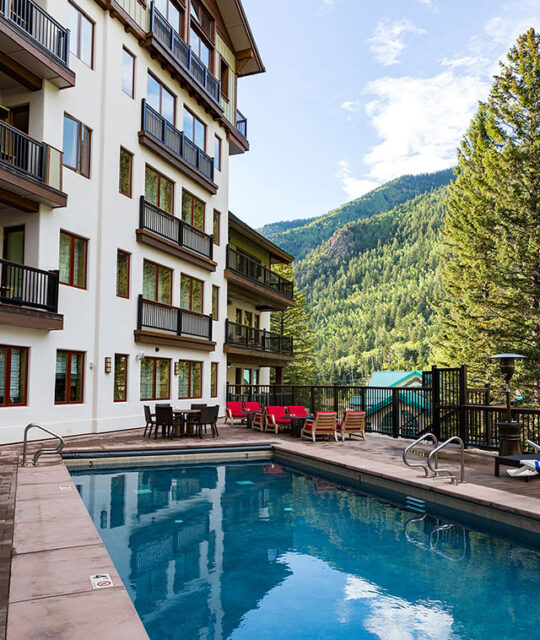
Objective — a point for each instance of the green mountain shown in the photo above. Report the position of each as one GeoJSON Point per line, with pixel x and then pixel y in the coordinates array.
{"type": "Point", "coordinates": [299, 237]}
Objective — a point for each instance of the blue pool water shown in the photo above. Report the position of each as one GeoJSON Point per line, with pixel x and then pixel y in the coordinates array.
{"type": "Point", "coordinates": [260, 552]}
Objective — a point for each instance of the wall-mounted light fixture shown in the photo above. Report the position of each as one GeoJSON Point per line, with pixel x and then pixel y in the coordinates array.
{"type": "Point", "coordinates": [140, 355]}
{"type": "Point", "coordinates": [176, 368]}
{"type": "Point", "coordinates": [108, 364]}
{"type": "Point", "coordinates": [90, 365]}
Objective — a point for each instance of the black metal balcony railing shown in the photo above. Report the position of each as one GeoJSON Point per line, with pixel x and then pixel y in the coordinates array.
{"type": "Point", "coordinates": [164, 317]}
{"type": "Point", "coordinates": [28, 287]}
{"type": "Point", "coordinates": [39, 25]}
{"type": "Point", "coordinates": [241, 124]}
{"type": "Point", "coordinates": [22, 152]}
{"type": "Point", "coordinates": [171, 40]}
{"type": "Point", "coordinates": [161, 129]}
{"type": "Point", "coordinates": [242, 336]}
{"type": "Point", "coordinates": [251, 269]}
{"type": "Point", "coordinates": [164, 224]}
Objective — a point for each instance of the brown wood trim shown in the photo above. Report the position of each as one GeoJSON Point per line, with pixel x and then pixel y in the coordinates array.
{"type": "Point", "coordinates": [26, 189]}
{"type": "Point", "coordinates": [157, 242]}
{"type": "Point", "coordinates": [177, 162]}
{"type": "Point", "coordinates": [18, 202]}
{"type": "Point", "coordinates": [32, 318]}
{"type": "Point", "coordinates": [19, 73]}
{"type": "Point", "coordinates": [143, 336]}
{"type": "Point", "coordinates": [254, 356]}
{"type": "Point", "coordinates": [257, 292]}
{"type": "Point", "coordinates": [123, 16]}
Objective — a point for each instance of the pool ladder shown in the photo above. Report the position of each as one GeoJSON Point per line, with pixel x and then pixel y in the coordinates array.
{"type": "Point", "coordinates": [433, 462]}
{"type": "Point", "coordinates": [43, 450]}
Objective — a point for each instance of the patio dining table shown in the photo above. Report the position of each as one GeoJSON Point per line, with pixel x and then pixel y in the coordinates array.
{"type": "Point", "coordinates": [297, 424]}
{"type": "Point", "coordinates": [182, 414]}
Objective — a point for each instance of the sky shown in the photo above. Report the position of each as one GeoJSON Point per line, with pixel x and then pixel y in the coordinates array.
{"type": "Point", "coordinates": [358, 92]}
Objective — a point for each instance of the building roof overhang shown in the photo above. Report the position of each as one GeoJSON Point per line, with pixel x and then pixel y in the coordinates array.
{"type": "Point", "coordinates": [248, 59]}
{"type": "Point", "coordinates": [277, 254]}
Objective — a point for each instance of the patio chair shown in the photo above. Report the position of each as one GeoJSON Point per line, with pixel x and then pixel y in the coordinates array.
{"type": "Point", "coordinates": [234, 411]}
{"type": "Point", "coordinates": [297, 411]}
{"type": "Point", "coordinates": [323, 425]}
{"type": "Point", "coordinates": [276, 417]}
{"type": "Point", "coordinates": [150, 421]}
{"type": "Point", "coordinates": [352, 422]}
{"type": "Point", "coordinates": [259, 420]}
{"type": "Point", "coordinates": [530, 464]}
{"type": "Point", "coordinates": [252, 407]}
{"type": "Point", "coordinates": [165, 420]}
{"type": "Point", "coordinates": [208, 417]}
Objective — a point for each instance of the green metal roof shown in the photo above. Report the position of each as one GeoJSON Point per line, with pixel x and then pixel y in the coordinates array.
{"type": "Point", "coordinates": [391, 378]}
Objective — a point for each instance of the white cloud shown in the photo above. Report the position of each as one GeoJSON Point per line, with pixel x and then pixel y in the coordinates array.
{"type": "Point", "coordinates": [353, 187]}
{"type": "Point", "coordinates": [387, 42]}
{"type": "Point", "coordinates": [350, 105]}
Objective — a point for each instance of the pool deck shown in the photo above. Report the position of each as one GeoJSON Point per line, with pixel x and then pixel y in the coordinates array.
{"type": "Point", "coordinates": [54, 547]}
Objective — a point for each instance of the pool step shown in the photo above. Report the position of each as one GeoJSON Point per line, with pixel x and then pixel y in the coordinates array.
{"type": "Point", "coordinates": [415, 504]}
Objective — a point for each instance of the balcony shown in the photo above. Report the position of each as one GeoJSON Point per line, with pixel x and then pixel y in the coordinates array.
{"type": "Point", "coordinates": [246, 341]}
{"type": "Point", "coordinates": [238, 142]}
{"type": "Point", "coordinates": [30, 171]}
{"type": "Point", "coordinates": [163, 231]}
{"type": "Point", "coordinates": [161, 137]}
{"type": "Point", "coordinates": [257, 283]}
{"type": "Point", "coordinates": [34, 45]}
{"type": "Point", "coordinates": [29, 297]}
{"type": "Point", "coordinates": [163, 324]}
{"type": "Point", "coordinates": [168, 43]}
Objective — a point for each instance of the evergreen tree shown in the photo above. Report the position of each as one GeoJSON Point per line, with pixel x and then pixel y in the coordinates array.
{"type": "Point", "coordinates": [294, 322]}
{"type": "Point", "coordinates": [491, 240]}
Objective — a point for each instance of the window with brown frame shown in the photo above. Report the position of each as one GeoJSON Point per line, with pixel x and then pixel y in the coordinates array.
{"type": "Point", "coordinates": [214, 367]}
{"type": "Point", "coordinates": [155, 379]}
{"type": "Point", "coordinates": [224, 77]}
{"type": "Point", "coordinates": [172, 13]}
{"type": "Point", "coordinates": [128, 73]}
{"type": "Point", "coordinates": [257, 323]}
{"type": "Point", "coordinates": [215, 302]}
{"type": "Point", "coordinates": [193, 210]}
{"type": "Point", "coordinates": [123, 259]}
{"type": "Point", "coordinates": [194, 129]}
{"type": "Point", "coordinates": [72, 260]}
{"type": "Point", "coordinates": [191, 293]}
{"type": "Point", "coordinates": [248, 318]}
{"type": "Point", "coordinates": [216, 231]}
{"type": "Point", "coordinates": [189, 379]}
{"type": "Point", "coordinates": [158, 190]}
{"type": "Point", "coordinates": [120, 377]}
{"type": "Point", "coordinates": [77, 146]}
{"type": "Point", "coordinates": [69, 380]}
{"type": "Point", "coordinates": [161, 99]}
{"type": "Point", "coordinates": [13, 375]}
{"type": "Point", "coordinates": [157, 282]}
{"type": "Point", "coordinates": [217, 153]}
{"type": "Point", "coordinates": [125, 172]}
{"type": "Point", "coordinates": [81, 35]}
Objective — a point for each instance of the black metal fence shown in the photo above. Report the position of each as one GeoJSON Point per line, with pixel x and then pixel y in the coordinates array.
{"type": "Point", "coordinates": [28, 287]}
{"type": "Point", "coordinates": [241, 123]}
{"type": "Point", "coordinates": [22, 152]}
{"type": "Point", "coordinates": [257, 272]}
{"type": "Point", "coordinates": [171, 228]}
{"type": "Point", "coordinates": [164, 317]}
{"type": "Point", "coordinates": [259, 339]}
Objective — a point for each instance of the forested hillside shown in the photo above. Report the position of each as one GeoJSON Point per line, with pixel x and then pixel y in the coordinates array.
{"type": "Point", "coordinates": [299, 237]}
{"type": "Point", "coordinates": [370, 288]}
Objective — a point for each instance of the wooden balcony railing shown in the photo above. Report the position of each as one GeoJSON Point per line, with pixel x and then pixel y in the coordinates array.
{"type": "Point", "coordinates": [241, 124]}
{"type": "Point", "coordinates": [259, 339]}
{"type": "Point", "coordinates": [161, 129]}
{"type": "Point", "coordinates": [241, 264]}
{"type": "Point", "coordinates": [183, 53]}
{"type": "Point", "coordinates": [22, 152]}
{"type": "Point", "coordinates": [39, 25]}
{"type": "Point", "coordinates": [164, 317]}
{"type": "Point", "coordinates": [164, 224]}
{"type": "Point", "coordinates": [28, 287]}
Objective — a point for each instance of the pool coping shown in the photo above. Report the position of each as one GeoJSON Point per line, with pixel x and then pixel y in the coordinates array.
{"type": "Point", "coordinates": [46, 502]}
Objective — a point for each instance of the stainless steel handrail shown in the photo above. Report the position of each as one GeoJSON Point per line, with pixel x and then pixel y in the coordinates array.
{"type": "Point", "coordinates": [451, 474]}
{"type": "Point", "coordinates": [43, 450]}
{"type": "Point", "coordinates": [413, 444]}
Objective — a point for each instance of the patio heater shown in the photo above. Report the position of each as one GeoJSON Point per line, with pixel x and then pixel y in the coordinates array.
{"type": "Point", "coordinates": [509, 430]}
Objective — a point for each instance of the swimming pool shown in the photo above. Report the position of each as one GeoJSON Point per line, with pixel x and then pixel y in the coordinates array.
{"type": "Point", "coordinates": [260, 551]}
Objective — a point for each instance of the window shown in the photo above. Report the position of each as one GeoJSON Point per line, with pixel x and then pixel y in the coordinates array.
{"type": "Point", "coordinates": [239, 316]}
{"type": "Point", "coordinates": [192, 210]}
{"type": "Point", "coordinates": [248, 318]}
{"type": "Point", "coordinates": [191, 293]}
{"type": "Point", "coordinates": [157, 282]}
{"type": "Point", "coordinates": [201, 33]}
{"type": "Point", "coordinates": [160, 98]}
{"type": "Point", "coordinates": [171, 13]}
{"type": "Point", "coordinates": [77, 146]}
{"type": "Point", "coordinates": [194, 129]}
{"type": "Point", "coordinates": [215, 302]}
{"type": "Point", "coordinates": [122, 273]}
{"type": "Point", "coordinates": [214, 379]}
{"type": "Point", "coordinates": [120, 377]}
{"type": "Point", "coordinates": [246, 376]}
{"type": "Point", "coordinates": [124, 183]}
{"type": "Point", "coordinates": [72, 261]}
{"type": "Point", "coordinates": [224, 77]}
{"type": "Point", "coordinates": [189, 379]}
{"type": "Point", "coordinates": [158, 190]}
{"type": "Point", "coordinates": [128, 73]}
{"type": "Point", "coordinates": [217, 153]}
{"type": "Point", "coordinates": [257, 323]}
{"type": "Point", "coordinates": [13, 375]}
{"type": "Point", "coordinates": [155, 376]}
{"type": "Point", "coordinates": [81, 37]}
{"type": "Point", "coordinates": [255, 376]}
{"type": "Point", "coordinates": [217, 226]}
{"type": "Point", "coordinates": [68, 387]}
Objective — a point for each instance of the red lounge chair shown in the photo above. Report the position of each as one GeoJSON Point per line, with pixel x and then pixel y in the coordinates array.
{"type": "Point", "coordinates": [234, 411]}
{"type": "Point", "coordinates": [297, 411]}
{"type": "Point", "coordinates": [352, 422]}
{"type": "Point", "coordinates": [323, 425]}
{"type": "Point", "coordinates": [276, 417]}
{"type": "Point", "coordinates": [252, 407]}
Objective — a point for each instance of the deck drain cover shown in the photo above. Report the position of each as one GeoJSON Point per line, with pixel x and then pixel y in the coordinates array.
{"type": "Point", "coordinates": [101, 581]}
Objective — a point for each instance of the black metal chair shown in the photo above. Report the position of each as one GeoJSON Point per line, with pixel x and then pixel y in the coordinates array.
{"type": "Point", "coordinates": [165, 420]}
{"type": "Point", "coordinates": [150, 421]}
{"type": "Point", "coordinates": [208, 417]}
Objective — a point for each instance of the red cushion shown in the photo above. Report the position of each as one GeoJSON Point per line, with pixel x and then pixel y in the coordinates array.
{"type": "Point", "coordinates": [238, 414]}
{"type": "Point", "coordinates": [252, 406]}
{"type": "Point", "coordinates": [282, 420]}
{"type": "Point", "coordinates": [234, 406]}
{"type": "Point", "coordinates": [297, 411]}
{"type": "Point", "coordinates": [277, 412]}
